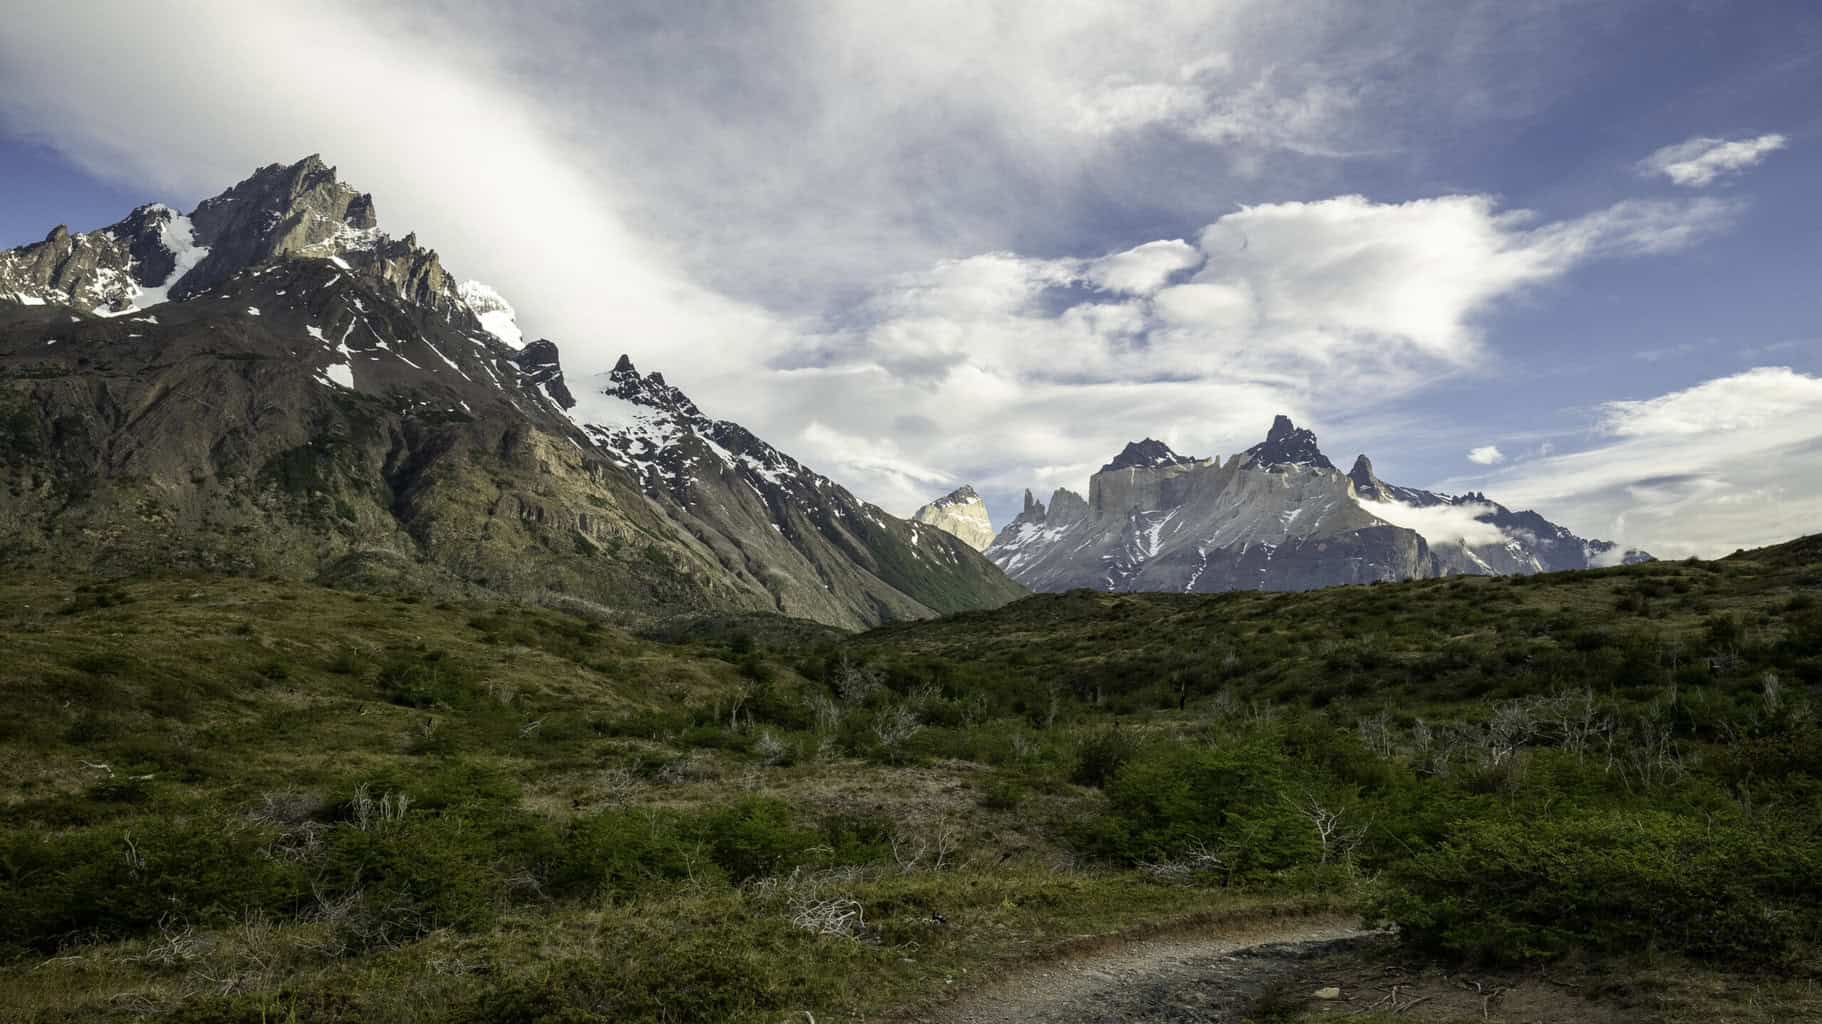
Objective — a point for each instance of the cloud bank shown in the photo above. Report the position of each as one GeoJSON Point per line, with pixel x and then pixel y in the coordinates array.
{"type": "Point", "coordinates": [1441, 524]}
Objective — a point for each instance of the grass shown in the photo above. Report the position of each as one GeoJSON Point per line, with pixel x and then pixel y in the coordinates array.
{"type": "Point", "coordinates": [238, 799]}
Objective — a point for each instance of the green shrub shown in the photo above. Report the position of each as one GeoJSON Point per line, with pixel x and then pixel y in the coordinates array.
{"type": "Point", "coordinates": [422, 680]}
{"type": "Point", "coordinates": [1101, 756]}
{"type": "Point", "coordinates": [755, 838]}
{"type": "Point", "coordinates": [1232, 799]}
{"type": "Point", "coordinates": [122, 881]}
{"type": "Point", "coordinates": [402, 880]}
{"type": "Point", "coordinates": [1609, 882]}
{"type": "Point", "coordinates": [620, 853]}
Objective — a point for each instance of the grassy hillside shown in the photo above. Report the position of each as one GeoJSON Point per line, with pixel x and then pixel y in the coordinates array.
{"type": "Point", "coordinates": [235, 800]}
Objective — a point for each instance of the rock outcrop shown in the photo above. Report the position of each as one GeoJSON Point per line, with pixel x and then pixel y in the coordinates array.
{"type": "Point", "coordinates": [962, 513]}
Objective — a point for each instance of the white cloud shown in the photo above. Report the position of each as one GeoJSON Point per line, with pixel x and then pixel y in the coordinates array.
{"type": "Point", "coordinates": [1440, 524]}
{"type": "Point", "coordinates": [867, 464]}
{"type": "Point", "coordinates": [1008, 363]}
{"type": "Point", "coordinates": [1144, 269]}
{"type": "Point", "coordinates": [1699, 161]}
{"type": "Point", "coordinates": [1486, 455]}
{"type": "Point", "coordinates": [1756, 402]}
{"type": "Point", "coordinates": [1730, 462]}
{"type": "Point", "coordinates": [1359, 275]}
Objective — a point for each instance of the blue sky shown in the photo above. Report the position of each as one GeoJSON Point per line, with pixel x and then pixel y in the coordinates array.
{"type": "Point", "coordinates": [888, 240]}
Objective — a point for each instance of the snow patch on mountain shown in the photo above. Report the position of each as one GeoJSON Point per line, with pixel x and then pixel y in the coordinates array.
{"type": "Point", "coordinates": [497, 316]}
{"type": "Point", "coordinates": [178, 236]}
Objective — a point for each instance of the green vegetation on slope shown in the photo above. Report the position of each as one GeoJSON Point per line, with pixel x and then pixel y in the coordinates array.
{"type": "Point", "coordinates": [241, 800]}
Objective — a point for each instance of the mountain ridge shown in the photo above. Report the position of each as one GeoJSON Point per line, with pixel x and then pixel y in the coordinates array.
{"type": "Point", "coordinates": [271, 384]}
{"type": "Point", "coordinates": [1277, 516]}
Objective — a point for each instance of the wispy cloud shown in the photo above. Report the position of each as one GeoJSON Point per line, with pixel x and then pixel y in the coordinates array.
{"type": "Point", "coordinates": [1700, 161]}
{"type": "Point", "coordinates": [1729, 462]}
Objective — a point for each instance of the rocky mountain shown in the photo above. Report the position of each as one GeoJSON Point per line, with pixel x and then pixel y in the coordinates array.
{"type": "Point", "coordinates": [962, 513]}
{"type": "Point", "coordinates": [270, 384]}
{"type": "Point", "coordinates": [1527, 543]}
{"type": "Point", "coordinates": [1278, 516]}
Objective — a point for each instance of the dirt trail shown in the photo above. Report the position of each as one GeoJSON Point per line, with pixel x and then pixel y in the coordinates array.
{"type": "Point", "coordinates": [1206, 979]}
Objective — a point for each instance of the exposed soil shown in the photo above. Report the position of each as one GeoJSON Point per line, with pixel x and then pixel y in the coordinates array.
{"type": "Point", "coordinates": [1205, 979]}
{"type": "Point", "coordinates": [1308, 969]}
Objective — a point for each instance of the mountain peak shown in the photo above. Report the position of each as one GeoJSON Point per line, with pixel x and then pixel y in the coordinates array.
{"type": "Point", "coordinates": [1366, 483]}
{"type": "Point", "coordinates": [1286, 445]}
{"type": "Point", "coordinates": [543, 367]}
{"type": "Point", "coordinates": [1146, 454]}
{"type": "Point", "coordinates": [960, 513]}
{"type": "Point", "coordinates": [497, 316]}
{"type": "Point", "coordinates": [650, 390]}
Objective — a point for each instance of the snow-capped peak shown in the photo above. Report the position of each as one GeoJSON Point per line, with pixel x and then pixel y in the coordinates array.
{"type": "Point", "coordinates": [496, 314]}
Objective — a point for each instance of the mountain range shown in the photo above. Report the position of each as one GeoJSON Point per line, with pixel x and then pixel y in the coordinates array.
{"type": "Point", "coordinates": [272, 385]}
{"type": "Point", "coordinates": [1278, 516]}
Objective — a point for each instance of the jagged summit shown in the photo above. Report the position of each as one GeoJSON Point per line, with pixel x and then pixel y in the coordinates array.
{"type": "Point", "coordinates": [542, 367]}
{"type": "Point", "coordinates": [1146, 454]}
{"type": "Point", "coordinates": [281, 211]}
{"type": "Point", "coordinates": [964, 493]}
{"type": "Point", "coordinates": [1286, 445]}
{"type": "Point", "coordinates": [1280, 516]}
{"type": "Point", "coordinates": [962, 513]}
{"type": "Point", "coordinates": [650, 390]}
{"type": "Point", "coordinates": [1365, 483]}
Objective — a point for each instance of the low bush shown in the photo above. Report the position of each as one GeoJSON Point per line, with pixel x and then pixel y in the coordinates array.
{"type": "Point", "coordinates": [1609, 882]}
{"type": "Point", "coordinates": [1101, 756]}
{"type": "Point", "coordinates": [1232, 799]}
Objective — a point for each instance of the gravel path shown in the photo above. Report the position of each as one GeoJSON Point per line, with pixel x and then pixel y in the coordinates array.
{"type": "Point", "coordinates": [1209, 979]}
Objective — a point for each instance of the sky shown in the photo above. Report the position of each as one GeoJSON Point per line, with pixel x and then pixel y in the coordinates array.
{"type": "Point", "coordinates": [1562, 252]}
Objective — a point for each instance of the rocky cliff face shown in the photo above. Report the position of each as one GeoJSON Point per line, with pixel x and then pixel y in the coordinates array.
{"type": "Point", "coordinates": [272, 385]}
{"type": "Point", "coordinates": [1279, 516]}
{"type": "Point", "coordinates": [960, 512]}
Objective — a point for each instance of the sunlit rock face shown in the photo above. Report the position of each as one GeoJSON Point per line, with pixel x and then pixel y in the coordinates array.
{"type": "Point", "coordinates": [961, 513]}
